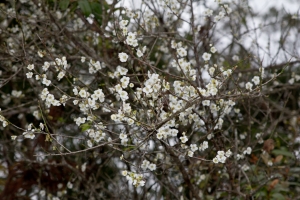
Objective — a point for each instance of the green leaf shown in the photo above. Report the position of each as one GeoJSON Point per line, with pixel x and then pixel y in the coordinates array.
{"type": "Point", "coordinates": [64, 4]}
{"type": "Point", "coordinates": [283, 152]}
{"type": "Point", "coordinates": [294, 183]}
{"type": "Point", "coordinates": [96, 8]}
{"type": "Point", "coordinates": [85, 127]}
{"type": "Point", "coordinates": [97, 11]}
{"type": "Point", "coordinates": [85, 7]}
{"type": "Point", "coordinates": [278, 196]}
{"type": "Point", "coordinates": [61, 119]}
{"type": "Point", "coordinates": [295, 169]}
{"type": "Point", "coordinates": [261, 194]}
{"type": "Point", "coordinates": [282, 187]}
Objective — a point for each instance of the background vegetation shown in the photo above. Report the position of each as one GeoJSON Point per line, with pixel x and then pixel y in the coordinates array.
{"type": "Point", "coordinates": [71, 147]}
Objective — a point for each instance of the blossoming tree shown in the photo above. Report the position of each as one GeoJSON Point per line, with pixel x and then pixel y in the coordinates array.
{"type": "Point", "coordinates": [175, 99]}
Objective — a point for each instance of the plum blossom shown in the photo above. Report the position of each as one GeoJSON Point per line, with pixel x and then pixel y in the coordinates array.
{"type": "Point", "coordinates": [123, 57]}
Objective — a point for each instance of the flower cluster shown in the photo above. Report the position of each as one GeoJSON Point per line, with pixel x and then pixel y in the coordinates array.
{"type": "Point", "coordinates": [123, 138]}
{"type": "Point", "coordinates": [49, 98]}
{"type": "Point", "coordinates": [136, 179]}
{"type": "Point", "coordinates": [203, 146]}
{"type": "Point", "coordinates": [248, 151]}
{"type": "Point", "coordinates": [167, 131]}
{"type": "Point", "coordinates": [182, 64]}
{"type": "Point", "coordinates": [95, 66]}
{"type": "Point", "coordinates": [96, 134]}
{"type": "Point", "coordinates": [222, 156]}
{"type": "Point", "coordinates": [147, 165]}
{"type": "Point", "coordinates": [193, 147]}
{"type": "Point", "coordinates": [151, 89]}
{"type": "Point", "coordinates": [29, 133]}
{"type": "Point", "coordinates": [131, 39]}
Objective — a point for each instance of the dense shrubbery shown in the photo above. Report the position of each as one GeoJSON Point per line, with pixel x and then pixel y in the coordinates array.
{"type": "Point", "coordinates": [173, 100]}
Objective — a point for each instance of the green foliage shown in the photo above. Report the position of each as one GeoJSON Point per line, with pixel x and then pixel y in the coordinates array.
{"type": "Point", "coordinates": [85, 7]}
{"type": "Point", "coordinates": [283, 151]}
{"type": "Point", "coordinates": [85, 126]}
{"type": "Point", "coordinates": [97, 10]}
{"type": "Point", "coordinates": [64, 4]}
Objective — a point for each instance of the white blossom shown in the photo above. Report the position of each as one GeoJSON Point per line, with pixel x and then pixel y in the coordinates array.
{"type": "Point", "coordinates": [29, 134]}
{"type": "Point", "coordinates": [190, 153]}
{"type": "Point", "coordinates": [29, 74]}
{"type": "Point", "coordinates": [152, 167]}
{"type": "Point", "coordinates": [249, 86]}
{"type": "Point", "coordinates": [213, 49]}
{"type": "Point", "coordinates": [30, 67]}
{"type": "Point", "coordinates": [256, 80]}
{"type": "Point", "coordinates": [193, 147]}
{"type": "Point", "coordinates": [46, 82]}
{"type": "Point", "coordinates": [139, 53]}
{"type": "Point", "coordinates": [183, 139]}
{"type": "Point", "coordinates": [181, 52]}
{"type": "Point", "coordinates": [123, 57]}
{"type": "Point", "coordinates": [82, 93]}
{"type": "Point", "coordinates": [206, 56]}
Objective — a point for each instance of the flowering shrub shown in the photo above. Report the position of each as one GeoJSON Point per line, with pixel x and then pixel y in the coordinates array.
{"type": "Point", "coordinates": [165, 101]}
